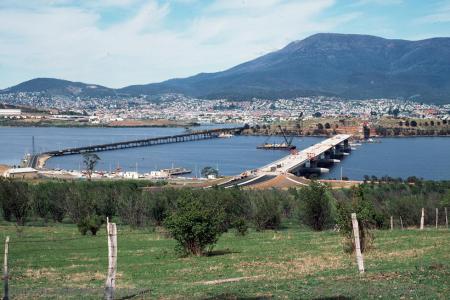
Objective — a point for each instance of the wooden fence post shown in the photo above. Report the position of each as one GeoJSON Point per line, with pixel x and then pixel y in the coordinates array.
{"type": "Point", "coordinates": [446, 218]}
{"type": "Point", "coordinates": [5, 271]}
{"type": "Point", "coordinates": [437, 217]}
{"type": "Point", "coordinates": [112, 261]}
{"type": "Point", "coordinates": [392, 223]}
{"type": "Point", "coordinates": [422, 219]}
{"type": "Point", "coordinates": [401, 222]}
{"type": "Point", "coordinates": [359, 257]}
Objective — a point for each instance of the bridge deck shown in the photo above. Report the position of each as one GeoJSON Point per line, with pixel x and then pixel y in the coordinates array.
{"type": "Point", "coordinates": [185, 137]}
{"type": "Point", "coordinates": [191, 136]}
{"type": "Point", "coordinates": [292, 161]}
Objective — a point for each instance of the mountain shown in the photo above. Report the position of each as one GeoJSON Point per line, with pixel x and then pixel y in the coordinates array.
{"type": "Point", "coordinates": [58, 87]}
{"type": "Point", "coordinates": [345, 65]}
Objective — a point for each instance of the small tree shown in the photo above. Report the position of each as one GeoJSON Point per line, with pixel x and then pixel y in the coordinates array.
{"type": "Point", "coordinates": [266, 210]}
{"type": "Point", "coordinates": [315, 206]}
{"type": "Point", "coordinates": [206, 171]}
{"type": "Point", "coordinates": [15, 197]}
{"type": "Point", "coordinates": [195, 224]}
{"type": "Point", "coordinates": [90, 160]}
{"type": "Point", "coordinates": [90, 223]}
{"type": "Point", "coordinates": [366, 218]}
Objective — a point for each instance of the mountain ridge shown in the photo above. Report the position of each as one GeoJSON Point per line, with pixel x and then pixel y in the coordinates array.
{"type": "Point", "coordinates": [325, 64]}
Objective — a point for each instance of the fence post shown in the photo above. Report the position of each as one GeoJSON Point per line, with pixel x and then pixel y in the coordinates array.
{"type": "Point", "coordinates": [392, 223]}
{"type": "Point", "coordinates": [112, 261]}
{"type": "Point", "coordinates": [359, 257]}
{"type": "Point", "coordinates": [422, 219]}
{"type": "Point", "coordinates": [437, 217]}
{"type": "Point", "coordinates": [5, 271]}
{"type": "Point", "coordinates": [446, 218]}
{"type": "Point", "coordinates": [401, 222]}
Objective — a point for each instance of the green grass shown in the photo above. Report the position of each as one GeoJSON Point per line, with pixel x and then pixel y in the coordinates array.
{"type": "Point", "coordinates": [292, 263]}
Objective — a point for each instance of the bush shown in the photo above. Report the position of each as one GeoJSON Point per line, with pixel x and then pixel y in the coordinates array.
{"type": "Point", "coordinates": [133, 209]}
{"type": "Point", "coordinates": [366, 218]}
{"type": "Point", "coordinates": [159, 205]}
{"type": "Point", "coordinates": [266, 210]}
{"type": "Point", "coordinates": [195, 224]}
{"type": "Point", "coordinates": [90, 223]}
{"type": "Point", "coordinates": [315, 209]}
{"type": "Point", "coordinates": [48, 200]}
{"type": "Point", "coordinates": [15, 198]}
{"type": "Point", "coordinates": [241, 227]}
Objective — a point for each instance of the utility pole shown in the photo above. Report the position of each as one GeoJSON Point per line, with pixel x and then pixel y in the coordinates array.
{"type": "Point", "coordinates": [32, 146]}
{"type": "Point", "coordinates": [341, 173]}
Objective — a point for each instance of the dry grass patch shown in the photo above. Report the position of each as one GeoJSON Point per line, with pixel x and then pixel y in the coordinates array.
{"type": "Point", "coordinates": [291, 268]}
{"type": "Point", "coordinates": [408, 253]}
{"type": "Point", "coordinates": [227, 280]}
{"type": "Point", "coordinates": [84, 258]}
{"type": "Point", "coordinates": [85, 277]}
{"type": "Point", "coordinates": [42, 273]}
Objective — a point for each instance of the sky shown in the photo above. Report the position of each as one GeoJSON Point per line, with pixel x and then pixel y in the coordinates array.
{"type": "Point", "coordinates": [122, 42]}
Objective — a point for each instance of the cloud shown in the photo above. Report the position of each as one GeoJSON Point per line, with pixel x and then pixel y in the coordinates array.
{"type": "Point", "coordinates": [64, 39]}
{"type": "Point", "coordinates": [440, 15]}
{"type": "Point", "coordinates": [378, 2]}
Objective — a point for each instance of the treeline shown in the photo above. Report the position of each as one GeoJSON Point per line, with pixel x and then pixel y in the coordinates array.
{"type": "Point", "coordinates": [137, 207]}
{"type": "Point", "coordinates": [188, 214]}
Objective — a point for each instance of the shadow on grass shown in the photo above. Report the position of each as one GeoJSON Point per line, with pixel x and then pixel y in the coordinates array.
{"type": "Point", "coordinates": [236, 297]}
{"type": "Point", "coordinates": [334, 298]}
{"type": "Point", "coordinates": [239, 297]}
{"type": "Point", "coordinates": [138, 294]}
{"type": "Point", "coordinates": [221, 252]}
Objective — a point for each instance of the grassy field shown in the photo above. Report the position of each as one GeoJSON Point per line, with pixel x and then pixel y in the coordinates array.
{"type": "Point", "coordinates": [57, 263]}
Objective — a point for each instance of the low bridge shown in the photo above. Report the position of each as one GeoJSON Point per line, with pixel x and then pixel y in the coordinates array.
{"type": "Point", "coordinates": [35, 161]}
{"type": "Point", "coordinates": [316, 159]}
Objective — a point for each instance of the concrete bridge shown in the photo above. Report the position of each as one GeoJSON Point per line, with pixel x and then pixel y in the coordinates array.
{"type": "Point", "coordinates": [316, 159]}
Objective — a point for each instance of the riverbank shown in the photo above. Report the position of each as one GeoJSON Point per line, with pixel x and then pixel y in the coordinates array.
{"type": "Point", "coordinates": [160, 123]}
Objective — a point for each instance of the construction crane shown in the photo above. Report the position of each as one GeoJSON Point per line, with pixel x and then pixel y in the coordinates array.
{"type": "Point", "coordinates": [286, 145]}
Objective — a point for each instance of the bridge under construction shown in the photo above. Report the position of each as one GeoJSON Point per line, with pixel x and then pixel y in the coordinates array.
{"type": "Point", "coordinates": [313, 160]}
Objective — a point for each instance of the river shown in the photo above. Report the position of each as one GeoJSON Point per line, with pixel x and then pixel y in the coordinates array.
{"type": "Point", "coordinates": [426, 157]}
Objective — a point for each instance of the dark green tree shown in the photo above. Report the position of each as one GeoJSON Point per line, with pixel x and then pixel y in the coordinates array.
{"type": "Point", "coordinates": [315, 208]}
{"type": "Point", "coordinates": [195, 224]}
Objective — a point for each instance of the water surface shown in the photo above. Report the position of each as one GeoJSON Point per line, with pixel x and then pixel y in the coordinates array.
{"type": "Point", "coordinates": [427, 157]}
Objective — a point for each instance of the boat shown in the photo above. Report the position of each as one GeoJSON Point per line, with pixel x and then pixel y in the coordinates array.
{"type": "Point", "coordinates": [175, 171]}
{"type": "Point", "coordinates": [25, 160]}
{"type": "Point", "coordinates": [282, 146]}
{"type": "Point", "coordinates": [286, 145]}
{"type": "Point", "coordinates": [225, 135]}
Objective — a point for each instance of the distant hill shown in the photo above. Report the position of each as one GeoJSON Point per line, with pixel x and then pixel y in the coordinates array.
{"type": "Point", "coordinates": [344, 65]}
{"type": "Point", "coordinates": [58, 87]}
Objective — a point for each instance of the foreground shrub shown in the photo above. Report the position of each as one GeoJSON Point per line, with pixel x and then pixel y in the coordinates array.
{"type": "Point", "coordinates": [89, 223]}
{"type": "Point", "coordinates": [366, 218]}
{"type": "Point", "coordinates": [15, 198]}
{"type": "Point", "coordinates": [266, 210]}
{"type": "Point", "coordinates": [133, 208]}
{"type": "Point", "coordinates": [315, 209]}
{"type": "Point", "coordinates": [48, 200]}
{"type": "Point", "coordinates": [241, 227]}
{"type": "Point", "coordinates": [159, 205]}
{"type": "Point", "coordinates": [195, 224]}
